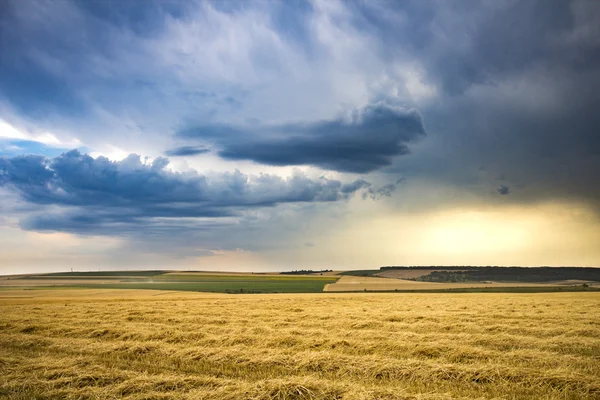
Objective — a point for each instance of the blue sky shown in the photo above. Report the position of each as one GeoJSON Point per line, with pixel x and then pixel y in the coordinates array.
{"type": "Point", "coordinates": [228, 135]}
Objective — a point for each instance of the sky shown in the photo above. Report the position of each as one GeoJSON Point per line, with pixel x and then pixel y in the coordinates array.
{"type": "Point", "coordinates": [281, 135]}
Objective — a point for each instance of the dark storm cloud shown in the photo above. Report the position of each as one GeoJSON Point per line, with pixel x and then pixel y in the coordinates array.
{"type": "Point", "coordinates": [365, 142]}
{"type": "Point", "coordinates": [187, 151]}
{"type": "Point", "coordinates": [518, 88]}
{"type": "Point", "coordinates": [464, 43]}
{"type": "Point", "coordinates": [384, 191]}
{"type": "Point", "coordinates": [504, 190]}
{"type": "Point", "coordinates": [47, 47]}
{"type": "Point", "coordinates": [517, 36]}
{"type": "Point", "coordinates": [354, 186]}
{"type": "Point", "coordinates": [131, 191]}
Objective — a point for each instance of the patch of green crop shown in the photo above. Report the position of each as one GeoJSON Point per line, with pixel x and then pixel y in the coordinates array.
{"type": "Point", "coordinates": [362, 272]}
{"type": "Point", "coordinates": [226, 286]}
{"type": "Point", "coordinates": [216, 283]}
{"type": "Point", "coordinates": [241, 278]}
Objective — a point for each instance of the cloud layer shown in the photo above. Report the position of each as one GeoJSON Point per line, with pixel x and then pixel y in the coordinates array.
{"type": "Point", "coordinates": [187, 151]}
{"type": "Point", "coordinates": [95, 191]}
{"type": "Point", "coordinates": [462, 104]}
{"type": "Point", "coordinates": [366, 142]}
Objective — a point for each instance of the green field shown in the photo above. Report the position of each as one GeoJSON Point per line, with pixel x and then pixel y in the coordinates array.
{"type": "Point", "coordinates": [197, 282]}
{"type": "Point", "coordinates": [362, 272]}
{"type": "Point", "coordinates": [226, 286]}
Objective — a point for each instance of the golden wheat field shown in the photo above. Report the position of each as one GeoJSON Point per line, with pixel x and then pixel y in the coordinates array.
{"type": "Point", "coordinates": [95, 344]}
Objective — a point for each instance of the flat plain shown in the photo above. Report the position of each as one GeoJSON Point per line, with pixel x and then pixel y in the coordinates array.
{"type": "Point", "coordinates": [145, 344]}
{"type": "Point", "coordinates": [349, 283]}
{"type": "Point", "coordinates": [179, 281]}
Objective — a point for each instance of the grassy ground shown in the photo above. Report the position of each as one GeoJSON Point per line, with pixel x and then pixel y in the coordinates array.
{"type": "Point", "coordinates": [199, 282]}
{"type": "Point", "coordinates": [362, 272]}
{"type": "Point", "coordinates": [227, 286]}
{"type": "Point", "coordinates": [109, 344]}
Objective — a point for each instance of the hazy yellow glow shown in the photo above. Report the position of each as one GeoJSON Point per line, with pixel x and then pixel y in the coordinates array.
{"type": "Point", "coordinates": [550, 234]}
{"type": "Point", "coordinates": [457, 232]}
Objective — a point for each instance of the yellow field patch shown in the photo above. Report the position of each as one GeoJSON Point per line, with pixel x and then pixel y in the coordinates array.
{"type": "Point", "coordinates": [17, 295]}
{"type": "Point", "coordinates": [349, 283]}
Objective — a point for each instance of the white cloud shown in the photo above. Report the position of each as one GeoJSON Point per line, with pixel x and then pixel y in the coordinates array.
{"type": "Point", "coordinates": [8, 131]}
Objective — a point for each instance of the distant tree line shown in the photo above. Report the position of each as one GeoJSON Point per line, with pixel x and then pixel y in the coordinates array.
{"type": "Point", "coordinates": [305, 272]}
{"type": "Point", "coordinates": [504, 274]}
{"type": "Point", "coordinates": [453, 267]}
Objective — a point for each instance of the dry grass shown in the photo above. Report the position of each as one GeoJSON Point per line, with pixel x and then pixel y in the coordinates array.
{"type": "Point", "coordinates": [349, 283]}
{"type": "Point", "coordinates": [84, 344]}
